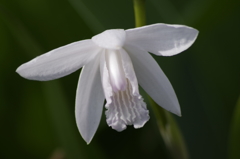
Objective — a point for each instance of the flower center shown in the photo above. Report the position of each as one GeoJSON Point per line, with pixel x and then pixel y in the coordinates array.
{"type": "Point", "coordinates": [110, 39]}
{"type": "Point", "coordinates": [116, 72]}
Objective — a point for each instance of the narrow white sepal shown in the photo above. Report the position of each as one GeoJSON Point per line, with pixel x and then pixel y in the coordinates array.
{"type": "Point", "coordinates": [162, 39]}
{"type": "Point", "coordinates": [89, 100]}
{"type": "Point", "coordinates": [152, 79]}
{"type": "Point", "coordinates": [59, 62]}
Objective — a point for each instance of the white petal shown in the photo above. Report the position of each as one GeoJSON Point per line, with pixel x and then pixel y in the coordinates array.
{"type": "Point", "coordinates": [153, 80]}
{"type": "Point", "coordinates": [89, 100]}
{"type": "Point", "coordinates": [162, 39]}
{"type": "Point", "coordinates": [110, 39]}
{"type": "Point", "coordinates": [59, 62]}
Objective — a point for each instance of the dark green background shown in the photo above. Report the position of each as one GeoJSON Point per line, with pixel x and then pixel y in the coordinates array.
{"type": "Point", "coordinates": [37, 118]}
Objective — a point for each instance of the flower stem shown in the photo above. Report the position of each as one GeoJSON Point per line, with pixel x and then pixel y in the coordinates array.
{"type": "Point", "coordinates": [140, 13]}
{"type": "Point", "coordinates": [170, 132]}
{"type": "Point", "coordinates": [234, 138]}
{"type": "Point", "coordinates": [168, 128]}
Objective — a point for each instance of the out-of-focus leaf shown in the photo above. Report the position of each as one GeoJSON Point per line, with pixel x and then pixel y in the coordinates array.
{"type": "Point", "coordinates": [20, 33]}
{"type": "Point", "coordinates": [168, 12]}
{"type": "Point", "coordinates": [86, 14]}
{"type": "Point", "coordinates": [56, 101]}
{"type": "Point", "coordinates": [32, 125]}
{"type": "Point", "coordinates": [102, 15]}
{"type": "Point", "coordinates": [63, 123]}
{"type": "Point", "coordinates": [170, 132]}
{"type": "Point", "coordinates": [234, 136]}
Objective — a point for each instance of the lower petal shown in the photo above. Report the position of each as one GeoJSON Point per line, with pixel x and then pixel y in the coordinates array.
{"type": "Point", "coordinates": [89, 100]}
{"type": "Point", "coordinates": [126, 109]}
{"type": "Point", "coordinates": [153, 80]}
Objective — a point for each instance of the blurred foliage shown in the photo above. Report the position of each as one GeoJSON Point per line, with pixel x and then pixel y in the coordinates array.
{"type": "Point", "coordinates": [234, 139]}
{"type": "Point", "coordinates": [170, 132]}
{"type": "Point", "coordinates": [37, 118]}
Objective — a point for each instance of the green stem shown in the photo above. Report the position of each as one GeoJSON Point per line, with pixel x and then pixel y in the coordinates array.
{"type": "Point", "coordinates": [140, 13]}
{"type": "Point", "coordinates": [234, 138]}
{"type": "Point", "coordinates": [168, 128]}
{"type": "Point", "coordinates": [170, 132]}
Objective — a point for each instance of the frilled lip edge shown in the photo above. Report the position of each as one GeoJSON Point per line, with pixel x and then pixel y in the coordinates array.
{"type": "Point", "coordinates": [123, 107]}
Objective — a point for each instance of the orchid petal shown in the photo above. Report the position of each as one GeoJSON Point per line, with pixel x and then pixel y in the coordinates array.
{"type": "Point", "coordinates": [59, 62]}
{"type": "Point", "coordinates": [162, 39]}
{"type": "Point", "coordinates": [89, 100]}
{"type": "Point", "coordinates": [153, 80]}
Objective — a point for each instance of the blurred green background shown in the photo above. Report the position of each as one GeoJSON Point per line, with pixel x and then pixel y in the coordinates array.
{"type": "Point", "coordinates": [37, 118]}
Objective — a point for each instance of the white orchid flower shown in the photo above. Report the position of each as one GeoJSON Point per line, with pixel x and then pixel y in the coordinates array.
{"type": "Point", "coordinates": [114, 62]}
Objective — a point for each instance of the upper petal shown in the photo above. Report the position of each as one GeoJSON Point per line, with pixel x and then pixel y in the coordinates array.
{"type": "Point", "coordinates": [162, 39]}
{"type": "Point", "coordinates": [59, 62]}
{"type": "Point", "coordinates": [153, 80]}
{"type": "Point", "coordinates": [89, 100]}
